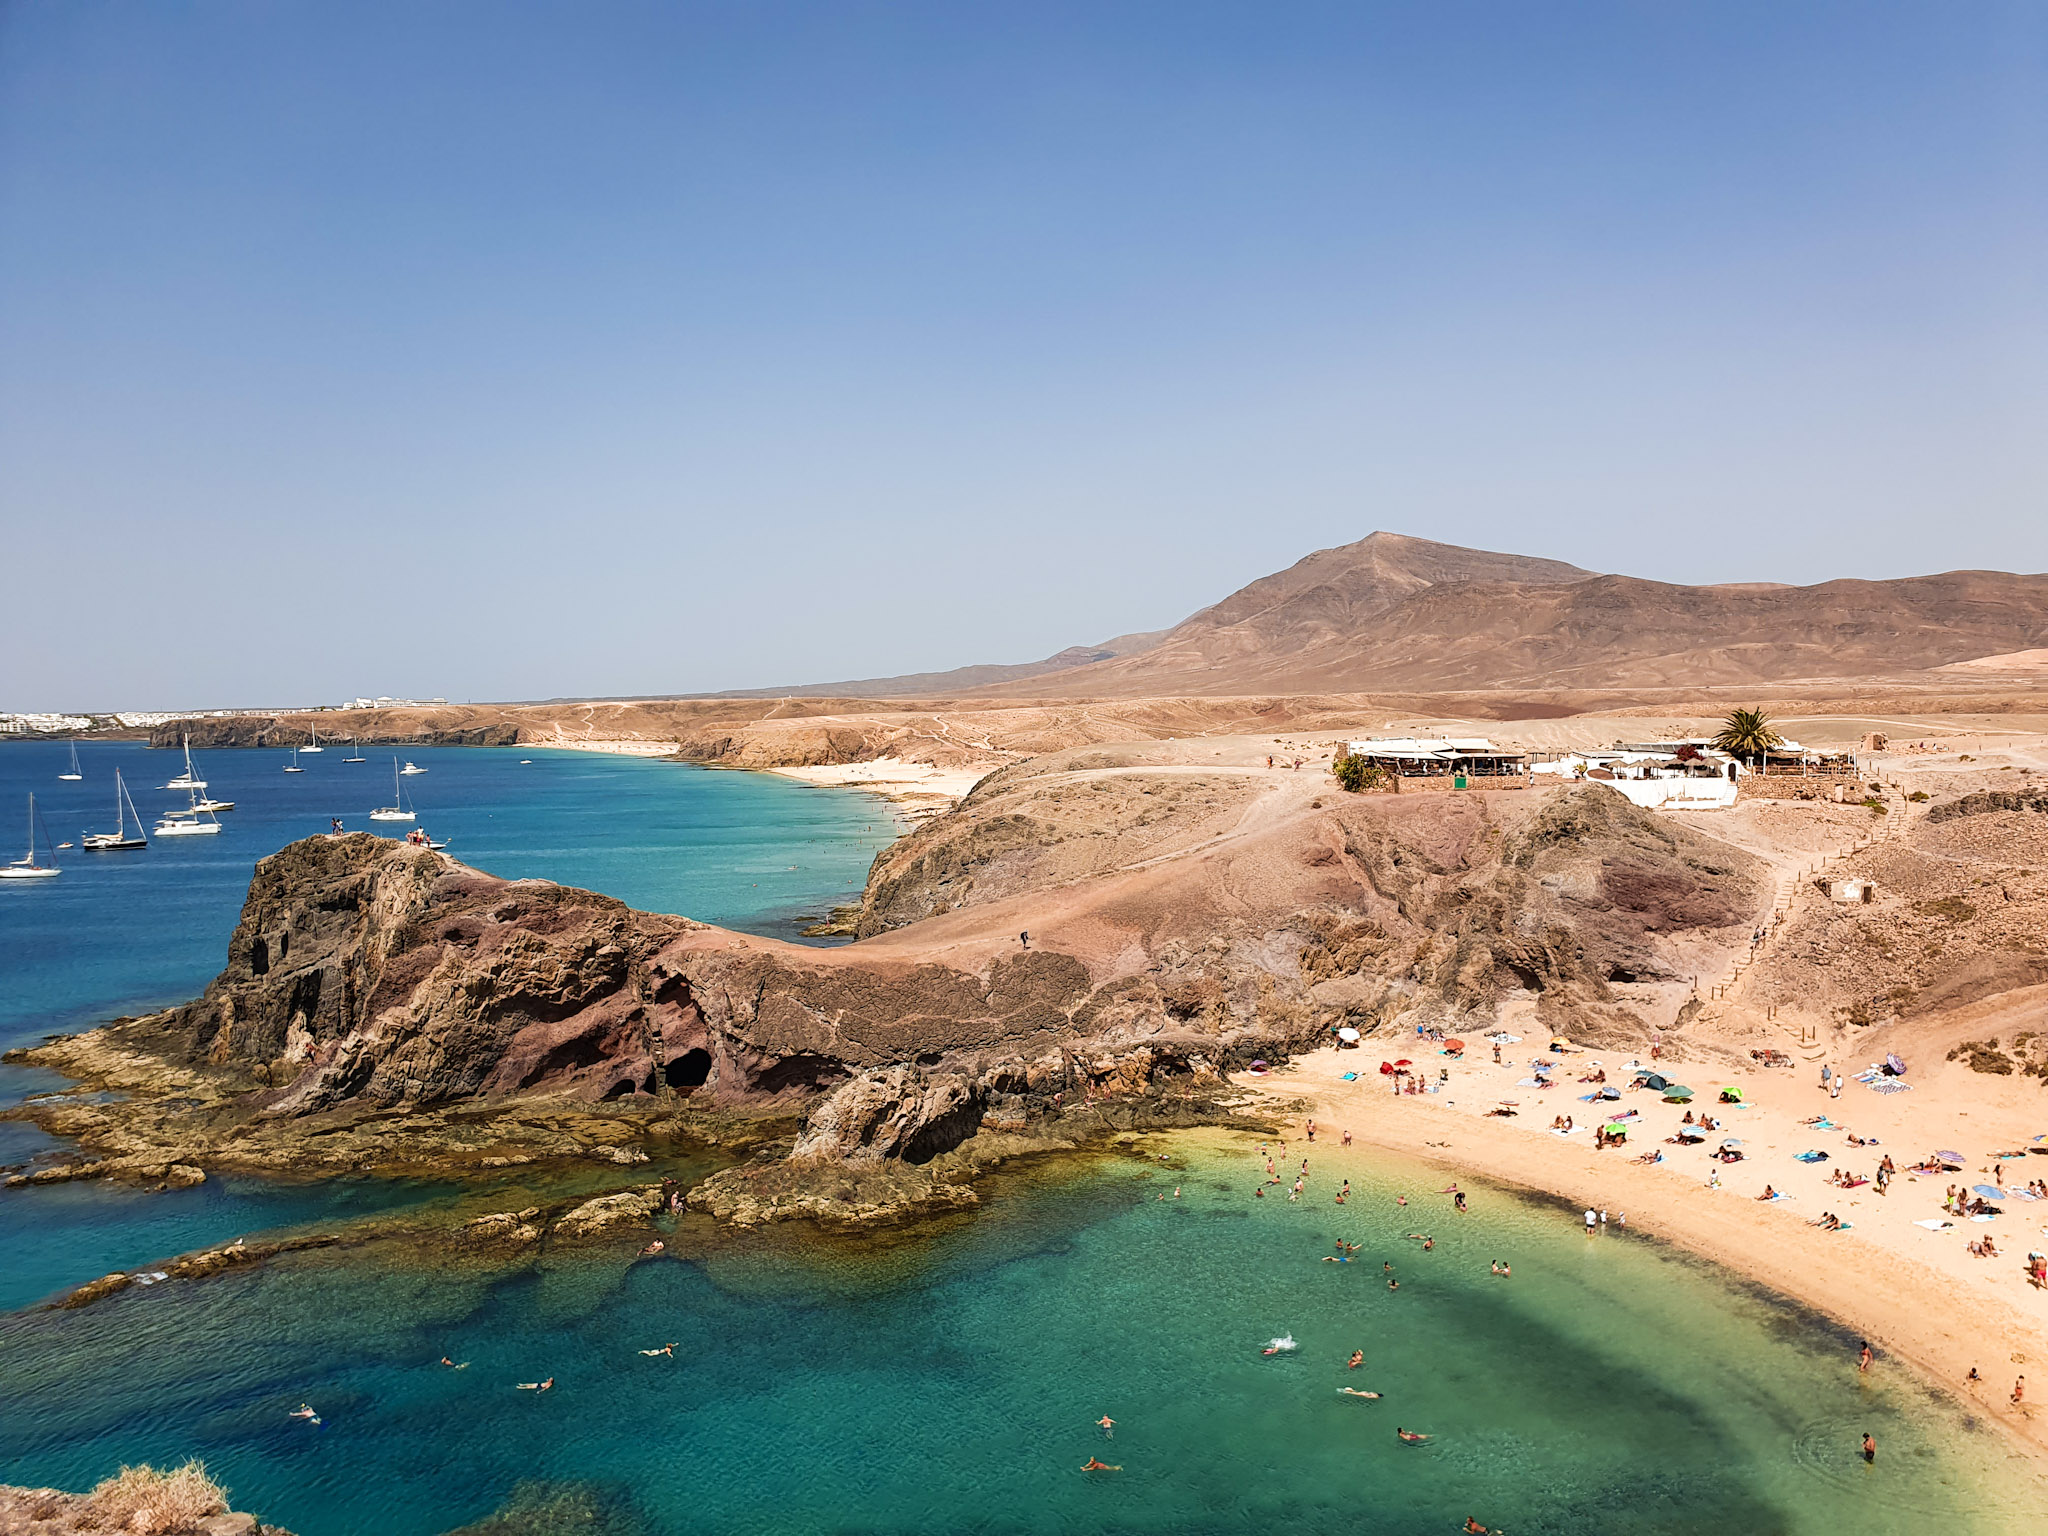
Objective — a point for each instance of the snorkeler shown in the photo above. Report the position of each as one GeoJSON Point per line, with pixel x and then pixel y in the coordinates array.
{"type": "Point", "coordinates": [305, 1411]}
{"type": "Point", "coordinates": [536, 1386]}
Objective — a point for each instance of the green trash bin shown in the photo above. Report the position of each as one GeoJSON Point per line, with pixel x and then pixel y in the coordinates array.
{"type": "Point", "coordinates": [1457, 781]}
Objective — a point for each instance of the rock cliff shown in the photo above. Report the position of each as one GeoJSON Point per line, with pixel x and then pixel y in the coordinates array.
{"type": "Point", "coordinates": [379, 998]}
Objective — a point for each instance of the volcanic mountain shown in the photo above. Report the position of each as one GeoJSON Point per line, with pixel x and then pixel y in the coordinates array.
{"type": "Point", "coordinates": [1394, 613]}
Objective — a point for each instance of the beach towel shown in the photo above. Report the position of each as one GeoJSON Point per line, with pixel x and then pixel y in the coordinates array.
{"type": "Point", "coordinates": [1780, 1195]}
{"type": "Point", "coordinates": [1825, 1124]}
{"type": "Point", "coordinates": [1890, 1085]}
{"type": "Point", "coordinates": [1809, 1157]}
{"type": "Point", "coordinates": [1348, 1077]}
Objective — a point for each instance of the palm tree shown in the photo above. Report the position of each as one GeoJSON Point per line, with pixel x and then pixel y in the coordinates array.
{"type": "Point", "coordinates": [1747, 733]}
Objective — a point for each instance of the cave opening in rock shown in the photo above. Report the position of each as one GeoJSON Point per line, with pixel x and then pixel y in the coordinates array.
{"type": "Point", "coordinates": [688, 1070]}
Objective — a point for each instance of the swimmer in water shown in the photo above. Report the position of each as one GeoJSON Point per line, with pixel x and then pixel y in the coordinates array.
{"type": "Point", "coordinates": [1357, 1359]}
{"type": "Point", "coordinates": [1474, 1528]}
{"type": "Point", "coordinates": [1410, 1437]}
{"type": "Point", "coordinates": [305, 1411]}
{"type": "Point", "coordinates": [1108, 1427]}
{"type": "Point", "coordinates": [666, 1349]}
{"type": "Point", "coordinates": [536, 1386]}
{"type": "Point", "coordinates": [1092, 1465]}
{"type": "Point", "coordinates": [653, 1247]}
{"type": "Point", "coordinates": [1393, 1284]}
{"type": "Point", "coordinates": [1355, 1392]}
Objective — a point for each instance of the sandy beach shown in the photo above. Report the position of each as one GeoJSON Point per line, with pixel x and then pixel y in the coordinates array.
{"type": "Point", "coordinates": [919, 789]}
{"type": "Point", "coordinates": [1919, 1295]}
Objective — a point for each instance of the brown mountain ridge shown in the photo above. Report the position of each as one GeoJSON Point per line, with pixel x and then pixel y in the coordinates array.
{"type": "Point", "coordinates": [1395, 613]}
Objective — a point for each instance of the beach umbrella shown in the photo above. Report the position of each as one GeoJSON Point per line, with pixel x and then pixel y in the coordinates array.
{"type": "Point", "coordinates": [1732, 1141]}
{"type": "Point", "coordinates": [1898, 1067]}
{"type": "Point", "coordinates": [1950, 1157]}
{"type": "Point", "coordinates": [1257, 1065]}
{"type": "Point", "coordinates": [1988, 1191]}
{"type": "Point", "coordinates": [1404, 1062]}
{"type": "Point", "coordinates": [1454, 1045]}
{"type": "Point", "coordinates": [1677, 1093]}
{"type": "Point", "coordinates": [1610, 1093]}
{"type": "Point", "coordinates": [1615, 1128]}
{"type": "Point", "coordinates": [1348, 1033]}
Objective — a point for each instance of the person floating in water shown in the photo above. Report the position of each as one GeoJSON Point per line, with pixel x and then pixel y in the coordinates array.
{"type": "Point", "coordinates": [1092, 1465]}
{"type": "Point", "coordinates": [666, 1349]}
{"type": "Point", "coordinates": [305, 1411]}
{"type": "Point", "coordinates": [1474, 1528]}
{"type": "Point", "coordinates": [1357, 1359]}
{"type": "Point", "coordinates": [452, 1364]}
{"type": "Point", "coordinates": [1409, 1436]}
{"type": "Point", "coordinates": [537, 1386]}
{"type": "Point", "coordinates": [1108, 1427]}
{"type": "Point", "coordinates": [1356, 1392]}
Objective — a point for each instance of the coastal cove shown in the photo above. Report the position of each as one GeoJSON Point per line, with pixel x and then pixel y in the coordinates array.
{"type": "Point", "coordinates": [948, 1379]}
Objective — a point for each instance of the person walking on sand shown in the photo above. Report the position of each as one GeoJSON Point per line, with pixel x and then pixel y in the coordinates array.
{"type": "Point", "coordinates": [2019, 1391]}
{"type": "Point", "coordinates": [1835, 1085]}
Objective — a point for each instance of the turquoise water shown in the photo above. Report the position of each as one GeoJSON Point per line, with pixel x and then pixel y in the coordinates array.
{"type": "Point", "coordinates": [952, 1384]}
{"type": "Point", "coordinates": [124, 932]}
{"type": "Point", "coordinates": [943, 1383]}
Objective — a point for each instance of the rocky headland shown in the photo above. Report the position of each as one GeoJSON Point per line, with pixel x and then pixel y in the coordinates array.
{"type": "Point", "coordinates": [1088, 944]}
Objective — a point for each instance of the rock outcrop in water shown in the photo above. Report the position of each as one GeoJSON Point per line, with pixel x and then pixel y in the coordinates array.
{"type": "Point", "coordinates": [384, 1004]}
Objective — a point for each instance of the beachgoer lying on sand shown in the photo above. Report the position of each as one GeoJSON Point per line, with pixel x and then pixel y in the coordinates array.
{"type": "Point", "coordinates": [1409, 1436]}
{"type": "Point", "coordinates": [1092, 1465]}
{"type": "Point", "coordinates": [1768, 1194]}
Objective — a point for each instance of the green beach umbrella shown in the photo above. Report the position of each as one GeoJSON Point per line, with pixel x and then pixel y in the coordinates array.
{"type": "Point", "coordinates": [1677, 1093]}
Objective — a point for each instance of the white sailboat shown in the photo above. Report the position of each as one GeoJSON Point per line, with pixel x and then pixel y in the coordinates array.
{"type": "Point", "coordinates": [410, 769]}
{"type": "Point", "coordinates": [187, 823]}
{"type": "Point", "coordinates": [293, 765]}
{"type": "Point", "coordinates": [357, 748]}
{"type": "Point", "coordinates": [397, 810]}
{"type": "Point", "coordinates": [109, 842]}
{"type": "Point", "coordinates": [316, 747]}
{"type": "Point", "coordinates": [188, 779]}
{"type": "Point", "coordinates": [208, 803]}
{"type": "Point", "coordinates": [71, 775]}
{"type": "Point", "coordinates": [27, 868]}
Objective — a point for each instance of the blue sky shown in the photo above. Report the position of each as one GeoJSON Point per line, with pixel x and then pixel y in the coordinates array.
{"type": "Point", "coordinates": [504, 350]}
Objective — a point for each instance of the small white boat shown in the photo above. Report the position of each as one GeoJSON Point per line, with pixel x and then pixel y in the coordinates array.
{"type": "Point", "coordinates": [187, 823]}
{"type": "Point", "coordinates": [293, 765]}
{"type": "Point", "coordinates": [411, 768]}
{"type": "Point", "coordinates": [188, 779]}
{"type": "Point", "coordinates": [108, 842]}
{"type": "Point", "coordinates": [27, 868]}
{"type": "Point", "coordinates": [206, 803]}
{"type": "Point", "coordinates": [71, 775]}
{"type": "Point", "coordinates": [397, 810]}
{"type": "Point", "coordinates": [316, 747]}
{"type": "Point", "coordinates": [357, 749]}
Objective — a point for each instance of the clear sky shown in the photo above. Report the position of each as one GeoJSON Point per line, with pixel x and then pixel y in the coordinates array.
{"type": "Point", "coordinates": [502, 350]}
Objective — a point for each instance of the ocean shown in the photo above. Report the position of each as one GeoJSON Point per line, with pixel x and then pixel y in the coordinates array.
{"type": "Point", "coordinates": [941, 1380]}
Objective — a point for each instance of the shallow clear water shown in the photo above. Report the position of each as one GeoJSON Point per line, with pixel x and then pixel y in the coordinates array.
{"type": "Point", "coordinates": [944, 1383]}
{"type": "Point", "coordinates": [124, 932]}
{"type": "Point", "coordinates": [951, 1384]}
